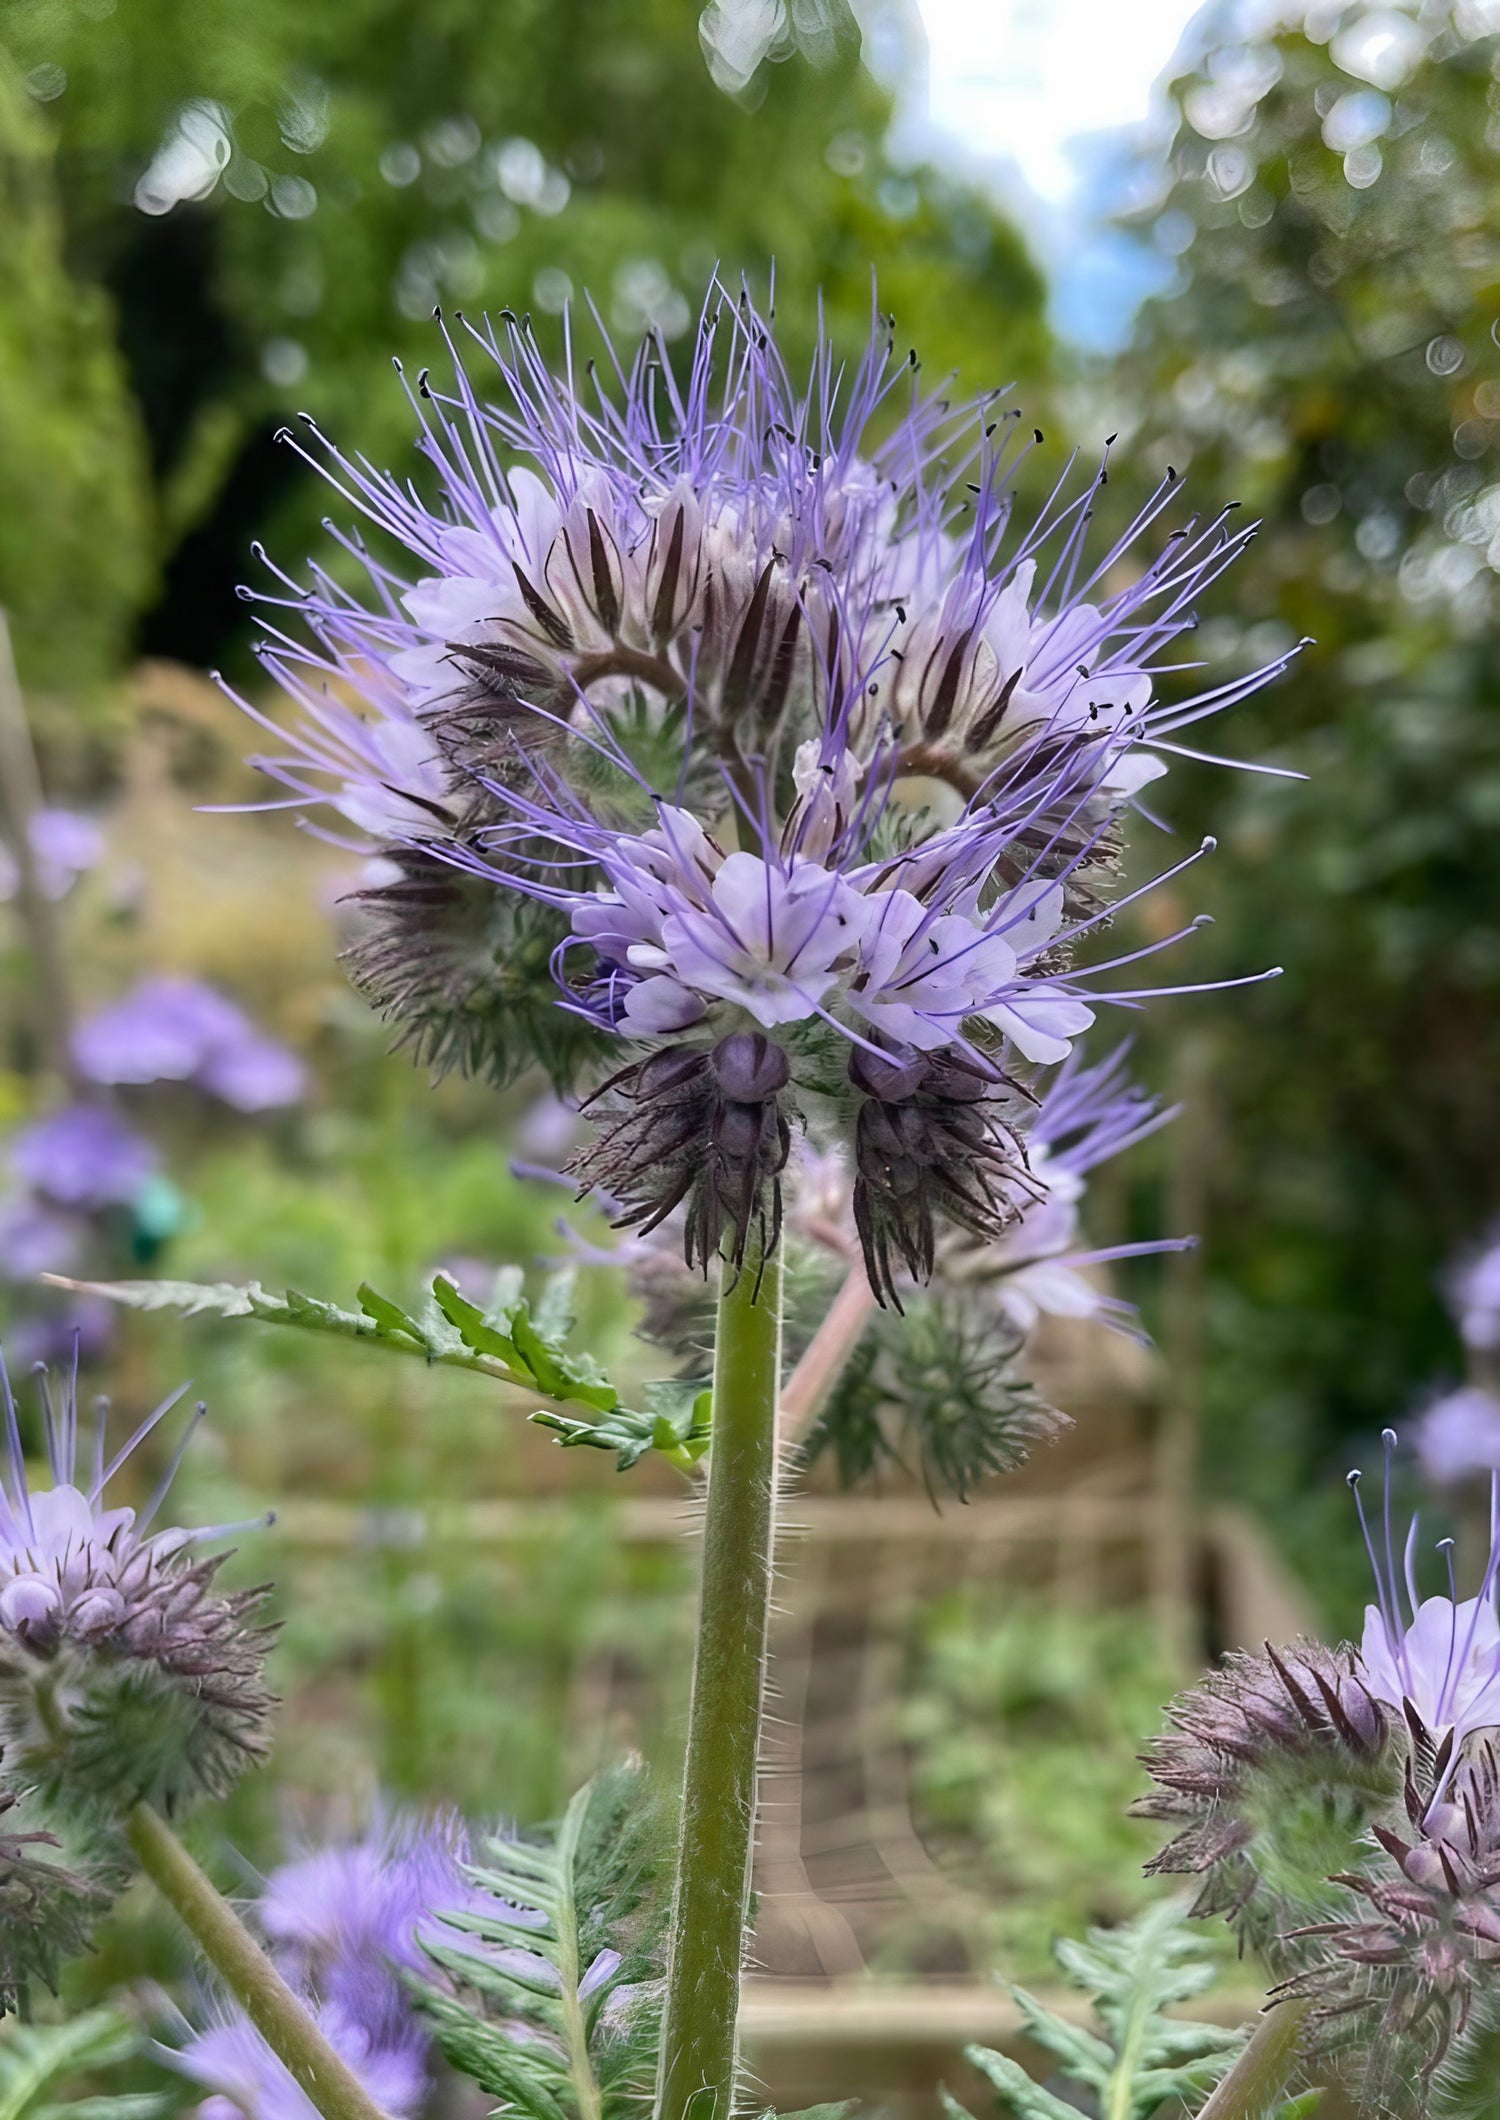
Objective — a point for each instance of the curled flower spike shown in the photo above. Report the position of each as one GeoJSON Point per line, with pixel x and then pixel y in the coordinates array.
{"type": "Point", "coordinates": [1261, 1756]}
{"type": "Point", "coordinates": [702, 1128]}
{"type": "Point", "coordinates": [124, 1675]}
{"type": "Point", "coordinates": [930, 1138]}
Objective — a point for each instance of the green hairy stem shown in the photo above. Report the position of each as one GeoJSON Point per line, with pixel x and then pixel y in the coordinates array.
{"type": "Point", "coordinates": [247, 1972]}
{"type": "Point", "coordinates": [1259, 2077]}
{"type": "Point", "coordinates": [698, 2050]}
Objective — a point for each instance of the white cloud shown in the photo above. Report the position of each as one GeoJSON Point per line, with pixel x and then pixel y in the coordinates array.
{"type": "Point", "coordinates": [1015, 80]}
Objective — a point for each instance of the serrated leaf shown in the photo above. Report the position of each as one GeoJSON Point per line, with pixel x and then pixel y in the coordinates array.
{"type": "Point", "coordinates": [553, 1312]}
{"type": "Point", "coordinates": [507, 1343]}
{"type": "Point", "coordinates": [1140, 2060]}
{"type": "Point", "coordinates": [475, 1329]}
{"type": "Point", "coordinates": [1027, 2100]}
{"type": "Point", "coordinates": [36, 2059]}
{"type": "Point", "coordinates": [388, 1317]}
{"type": "Point", "coordinates": [580, 1916]}
{"type": "Point", "coordinates": [1087, 2059]}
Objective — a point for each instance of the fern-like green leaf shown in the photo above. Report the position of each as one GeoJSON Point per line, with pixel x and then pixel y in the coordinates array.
{"type": "Point", "coordinates": [553, 1998]}
{"type": "Point", "coordinates": [37, 2061]}
{"type": "Point", "coordinates": [513, 1341]}
{"type": "Point", "coordinates": [1139, 2059]}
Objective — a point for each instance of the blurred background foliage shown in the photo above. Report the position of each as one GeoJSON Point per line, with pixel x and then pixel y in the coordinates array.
{"type": "Point", "coordinates": [1327, 355]}
{"type": "Point", "coordinates": [211, 217]}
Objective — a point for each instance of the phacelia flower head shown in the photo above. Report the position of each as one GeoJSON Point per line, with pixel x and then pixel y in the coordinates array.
{"type": "Point", "coordinates": [124, 1673]}
{"type": "Point", "coordinates": [1343, 1809]}
{"type": "Point", "coordinates": [781, 726]}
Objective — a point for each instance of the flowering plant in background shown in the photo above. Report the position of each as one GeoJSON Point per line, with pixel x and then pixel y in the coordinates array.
{"type": "Point", "coordinates": [129, 1683]}
{"type": "Point", "coordinates": [1342, 1810]}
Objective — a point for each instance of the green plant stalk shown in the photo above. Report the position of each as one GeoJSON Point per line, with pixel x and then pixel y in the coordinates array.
{"type": "Point", "coordinates": [246, 1971]}
{"type": "Point", "coordinates": [698, 2048]}
{"type": "Point", "coordinates": [1259, 2077]}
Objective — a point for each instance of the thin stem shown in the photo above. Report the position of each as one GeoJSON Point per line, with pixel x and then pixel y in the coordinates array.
{"type": "Point", "coordinates": [20, 799]}
{"type": "Point", "coordinates": [1259, 2076]}
{"type": "Point", "coordinates": [698, 2050]}
{"type": "Point", "coordinates": [247, 1972]}
{"type": "Point", "coordinates": [821, 1366]}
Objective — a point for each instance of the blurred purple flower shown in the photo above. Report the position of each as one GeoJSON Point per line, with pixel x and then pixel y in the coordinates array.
{"type": "Point", "coordinates": [344, 1923]}
{"type": "Point", "coordinates": [256, 1075]}
{"type": "Point", "coordinates": [247, 2082]}
{"type": "Point", "coordinates": [1459, 1436]}
{"type": "Point", "coordinates": [64, 845]}
{"type": "Point", "coordinates": [179, 1030]}
{"type": "Point", "coordinates": [36, 1239]}
{"type": "Point", "coordinates": [83, 1156]}
{"type": "Point", "coordinates": [1476, 1299]}
{"type": "Point", "coordinates": [83, 1328]}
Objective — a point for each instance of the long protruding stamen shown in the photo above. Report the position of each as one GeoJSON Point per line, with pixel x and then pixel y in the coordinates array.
{"type": "Point", "coordinates": [1391, 1618]}
{"type": "Point", "coordinates": [174, 1466]}
{"type": "Point", "coordinates": [158, 1413]}
{"type": "Point", "coordinates": [20, 1496]}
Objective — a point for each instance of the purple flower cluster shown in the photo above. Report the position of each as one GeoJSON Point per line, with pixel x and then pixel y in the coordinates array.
{"type": "Point", "coordinates": [67, 1170]}
{"type": "Point", "coordinates": [179, 1030]}
{"type": "Point", "coordinates": [808, 757]}
{"type": "Point", "coordinates": [344, 1923]}
{"type": "Point", "coordinates": [96, 1606]}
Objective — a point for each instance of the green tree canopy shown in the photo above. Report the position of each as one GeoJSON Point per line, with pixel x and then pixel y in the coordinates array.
{"type": "Point", "coordinates": [1327, 354]}
{"type": "Point", "coordinates": [278, 196]}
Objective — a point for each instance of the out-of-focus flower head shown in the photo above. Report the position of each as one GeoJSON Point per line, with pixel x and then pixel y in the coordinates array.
{"type": "Point", "coordinates": [1039, 1265]}
{"type": "Point", "coordinates": [1458, 1437]}
{"type": "Point", "coordinates": [179, 1030]}
{"type": "Point", "coordinates": [124, 1673]}
{"type": "Point", "coordinates": [347, 1919]}
{"type": "Point", "coordinates": [246, 2081]}
{"type": "Point", "coordinates": [345, 1923]}
{"type": "Point", "coordinates": [83, 1156]}
{"type": "Point", "coordinates": [64, 846]}
{"type": "Point", "coordinates": [748, 709]}
{"type": "Point", "coordinates": [1475, 1295]}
